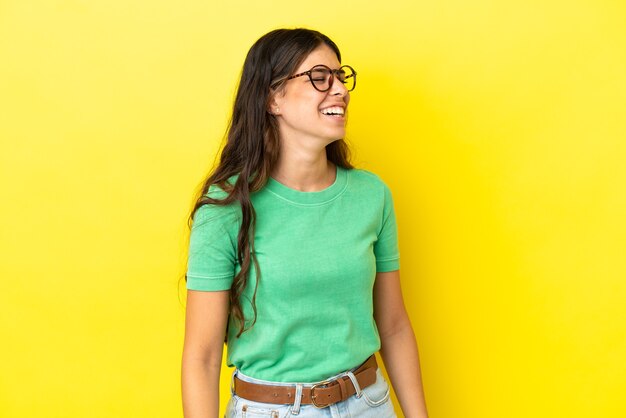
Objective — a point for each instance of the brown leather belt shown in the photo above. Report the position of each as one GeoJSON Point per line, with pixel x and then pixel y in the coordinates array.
{"type": "Point", "coordinates": [321, 394]}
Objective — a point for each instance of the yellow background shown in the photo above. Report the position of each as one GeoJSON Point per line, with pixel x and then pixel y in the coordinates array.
{"type": "Point", "coordinates": [499, 126]}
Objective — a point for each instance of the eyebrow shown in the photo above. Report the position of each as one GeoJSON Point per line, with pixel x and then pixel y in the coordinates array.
{"type": "Point", "coordinates": [315, 65]}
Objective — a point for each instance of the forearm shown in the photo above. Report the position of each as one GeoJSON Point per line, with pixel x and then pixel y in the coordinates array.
{"type": "Point", "coordinates": [200, 388]}
{"type": "Point", "coordinates": [400, 355]}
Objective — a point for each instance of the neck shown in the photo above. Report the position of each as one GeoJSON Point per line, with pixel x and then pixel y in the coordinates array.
{"type": "Point", "coordinates": [305, 176]}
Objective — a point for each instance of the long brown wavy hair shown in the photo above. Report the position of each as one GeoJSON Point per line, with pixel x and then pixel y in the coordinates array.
{"type": "Point", "coordinates": [252, 142]}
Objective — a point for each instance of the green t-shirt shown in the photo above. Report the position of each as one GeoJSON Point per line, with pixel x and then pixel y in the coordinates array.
{"type": "Point", "coordinates": [318, 255]}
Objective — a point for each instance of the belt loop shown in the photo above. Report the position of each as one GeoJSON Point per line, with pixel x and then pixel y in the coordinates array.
{"type": "Point", "coordinates": [355, 383]}
{"type": "Point", "coordinates": [232, 383]}
{"type": "Point", "coordinates": [296, 403]}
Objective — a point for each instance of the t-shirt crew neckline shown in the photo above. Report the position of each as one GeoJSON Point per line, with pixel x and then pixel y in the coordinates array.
{"type": "Point", "coordinates": [310, 198]}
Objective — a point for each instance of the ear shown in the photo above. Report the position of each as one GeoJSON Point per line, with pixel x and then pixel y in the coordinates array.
{"type": "Point", "coordinates": [274, 102]}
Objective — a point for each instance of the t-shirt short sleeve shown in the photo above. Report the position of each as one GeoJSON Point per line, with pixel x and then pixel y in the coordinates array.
{"type": "Point", "coordinates": [386, 246]}
{"type": "Point", "coordinates": [212, 255]}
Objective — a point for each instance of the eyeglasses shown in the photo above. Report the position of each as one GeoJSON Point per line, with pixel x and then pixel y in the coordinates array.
{"type": "Point", "coordinates": [322, 77]}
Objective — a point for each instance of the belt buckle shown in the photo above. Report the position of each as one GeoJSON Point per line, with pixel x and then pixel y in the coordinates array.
{"type": "Point", "coordinates": [324, 383]}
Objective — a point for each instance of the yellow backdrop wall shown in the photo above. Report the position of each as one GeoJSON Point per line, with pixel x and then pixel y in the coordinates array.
{"type": "Point", "coordinates": [499, 127]}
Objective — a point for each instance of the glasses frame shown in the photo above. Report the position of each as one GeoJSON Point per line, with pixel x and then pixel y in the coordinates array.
{"type": "Point", "coordinates": [333, 74]}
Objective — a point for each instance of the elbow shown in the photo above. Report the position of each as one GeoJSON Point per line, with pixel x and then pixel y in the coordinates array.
{"type": "Point", "coordinates": [210, 358]}
{"type": "Point", "coordinates": [399, 328]}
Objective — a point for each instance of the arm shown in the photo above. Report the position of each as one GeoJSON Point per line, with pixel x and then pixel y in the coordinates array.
{"type": "Point", "coordinates": [205, 325]}
{"type": "Point", "coordinates": [398, 345]}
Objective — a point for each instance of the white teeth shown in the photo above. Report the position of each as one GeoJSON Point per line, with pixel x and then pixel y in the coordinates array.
{"type": "Point", "coordinates": [335, 109]}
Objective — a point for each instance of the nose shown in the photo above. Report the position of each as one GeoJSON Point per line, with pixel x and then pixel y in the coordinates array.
{"type": "Point", "coordinates": [337, 86]}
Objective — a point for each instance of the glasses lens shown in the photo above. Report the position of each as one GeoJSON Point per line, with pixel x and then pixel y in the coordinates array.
{"type": "Point", "coordinates": [347, 77]}
{"type": "Point", "coordinates": [320, 77]}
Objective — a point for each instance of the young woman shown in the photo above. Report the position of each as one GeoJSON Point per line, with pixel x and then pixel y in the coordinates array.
{"type": "Point", "coordinates": [293, 254]}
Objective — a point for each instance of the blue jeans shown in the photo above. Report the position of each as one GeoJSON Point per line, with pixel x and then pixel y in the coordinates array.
{"type": "Point", "coordinates": [372, 402]}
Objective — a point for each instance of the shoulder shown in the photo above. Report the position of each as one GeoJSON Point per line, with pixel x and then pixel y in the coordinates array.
{"type": "Point", "coordinates": [214, 212]}
{"type": "Point", "coordinates": [362, 178]}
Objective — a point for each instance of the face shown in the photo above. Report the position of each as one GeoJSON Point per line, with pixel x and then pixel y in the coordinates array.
{"type": "Point", "coordinates": [299, 104]}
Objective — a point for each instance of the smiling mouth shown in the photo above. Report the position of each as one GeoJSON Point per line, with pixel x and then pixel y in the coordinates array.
{"type": "Point", "coordinates": [334, 112]}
